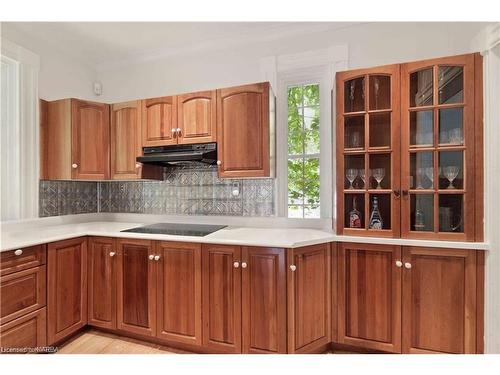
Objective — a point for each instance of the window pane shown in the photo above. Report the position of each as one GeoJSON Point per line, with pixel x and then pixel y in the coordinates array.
{"type": "Point", "coordinates": [303, 150]}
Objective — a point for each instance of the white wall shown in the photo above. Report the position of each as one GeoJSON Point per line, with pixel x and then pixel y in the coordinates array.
{"type": "Point", "coordinates": [369, 45]}
{"type": "Point", "coordinates": [60, 76]}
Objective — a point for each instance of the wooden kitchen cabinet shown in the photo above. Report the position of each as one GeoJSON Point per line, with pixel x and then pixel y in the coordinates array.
{"type": "Point", "coordinates": [197, 117]}
{"type": "Point", "coordinates": [25, 333]}
{"type": "Point", "coordinates": [221, 277]}
{"type": "Point", "coordinates": [22, 259]}
{"type": "Point", "coordinates": [136, 287]}
{"type": "Point", "coordinates": [67, 288]}
{"type": "Point", "coordinates": [309, 298]}
{"type": "Point", "coordinates": [369, 296]}
{"type": "Point", "coordinates": [245, 131]}
{"type": "Point", "coordinates": [263, 298]}
{"type": "Point", "coordinates": [439, 300]}
{"type": "Point", "coordinates": [102, 257]}
{"type": "Point", "coordinates": [179, 295]}
{"type": "Point", "coordinates": [77, 140]}
{"type": "Point", "coordinates": [159, 121]}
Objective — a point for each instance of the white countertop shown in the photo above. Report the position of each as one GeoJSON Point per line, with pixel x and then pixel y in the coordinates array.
{"type": "Point", "coordinates": [39, 231]}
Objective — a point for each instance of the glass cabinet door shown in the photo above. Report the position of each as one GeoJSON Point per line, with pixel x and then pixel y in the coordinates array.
{"type": "Point", "coordinates": [368, 166]}
{"type": "Point", "coordinates": [437, 128]}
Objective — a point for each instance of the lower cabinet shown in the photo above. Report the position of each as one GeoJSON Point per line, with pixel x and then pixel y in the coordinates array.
{"type": "Point", "coordinates": [136, 287]}
{"type": "Point", "coordinates": [309, 298]}
{"type": "Point", "coordinates": [28, 331]}
{"type": "Point", "coordinates": [178, 290]}
{"type": "Point", "coordinates": [407, 299]}
{"type": "Point", "coordinates": [67, 288]}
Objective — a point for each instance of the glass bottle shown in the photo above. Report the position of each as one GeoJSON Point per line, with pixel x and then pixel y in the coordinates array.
{"type": "Point", "coordinates": [419, 218]}
{"type": "Point", "coordinates": [354, 216]}
{"type": "Point", "coordinates": [375, 217]}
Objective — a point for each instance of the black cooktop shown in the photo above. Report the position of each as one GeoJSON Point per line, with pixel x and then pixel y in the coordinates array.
{"type": "Point", "coordinates": [177, 229]}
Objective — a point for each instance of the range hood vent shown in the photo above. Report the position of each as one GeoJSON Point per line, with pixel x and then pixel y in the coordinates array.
{"type": "Point", "coordinates": [167, 155]}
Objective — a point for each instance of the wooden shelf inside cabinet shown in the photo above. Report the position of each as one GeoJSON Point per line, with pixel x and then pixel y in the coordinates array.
{"type": "Point", "coordinates": [367, 144]}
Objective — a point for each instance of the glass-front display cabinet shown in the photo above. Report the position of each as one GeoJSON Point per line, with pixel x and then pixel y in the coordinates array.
{"type": "Point", "coordinates": [409, 150]}
{"type": "Point", "coordinates": [367, 154]}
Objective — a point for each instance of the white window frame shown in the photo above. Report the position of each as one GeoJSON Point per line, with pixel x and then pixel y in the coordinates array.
{"type": "Point", "coordinates": [28, 121]}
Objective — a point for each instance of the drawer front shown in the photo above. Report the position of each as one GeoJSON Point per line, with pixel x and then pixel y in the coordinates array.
{"type": "Point", "coordinates": [29, 331]}
{"type": "Point", "coordinates": [22, 259]}
{"type": "Point", "coordinates": [22, 292]}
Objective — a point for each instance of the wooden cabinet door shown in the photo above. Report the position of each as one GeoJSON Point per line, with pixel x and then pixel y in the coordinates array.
{"type": "Point", "coordinates": [243, 128]}
{"type": "Point", "coordinates": [22, 292]}
{"type": "Point", "coordinates": [309, 298]}
{"type": "Point", "coordinates": [159, 121]}
{"type": "Point", "coordinates": [67, 288]}
{"type": "Point", "coordinates": [179, 292]}
{"type": "Point", "coordinates": [25, 333]}
{"type": "Point", "coordinates": [439, 300]}
{"type": "Point", "coordinates": [102, 282]}
{"type": "Point", "coordinates": [89, 140]}
{"type": "Point", "coordinates": [221, 275]}
{"type": "Point", "coordinates": [196, 117]}
{"type": "Point", "coordinates": [126, 140]}
{"type": "Point", "coordinates": [136, 287]}
{"type": "Point", "coordinates": [263, 300]}
{"type": "Point", "coordinates": [369, 296]}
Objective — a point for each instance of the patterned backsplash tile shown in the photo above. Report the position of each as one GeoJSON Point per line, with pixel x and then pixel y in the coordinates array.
{"type": "Point", "coordinates": [185, 190]}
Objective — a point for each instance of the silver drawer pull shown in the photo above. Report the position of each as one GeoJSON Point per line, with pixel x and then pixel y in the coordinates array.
{"type": "Point", "coordinates": [112, 254]}
{"type": "Point", "coordinates": [293, 267]}
{"type": "Point", "coordinates": [18, 252]}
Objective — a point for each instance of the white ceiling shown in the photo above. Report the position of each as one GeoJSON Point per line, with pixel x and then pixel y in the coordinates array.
{"type": "Point", "coordinates": [108, 44]}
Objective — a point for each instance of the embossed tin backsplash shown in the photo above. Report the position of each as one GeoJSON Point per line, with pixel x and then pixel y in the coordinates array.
{"type": "Point", "coordinates": [185, 190]}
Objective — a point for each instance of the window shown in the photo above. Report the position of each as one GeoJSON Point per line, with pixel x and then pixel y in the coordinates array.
{"type": "Point", "coordinates": [303, 151]}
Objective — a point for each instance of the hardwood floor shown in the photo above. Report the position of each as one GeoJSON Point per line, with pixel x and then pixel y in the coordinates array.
{"type": "Point", "coordinates": [97, 342]}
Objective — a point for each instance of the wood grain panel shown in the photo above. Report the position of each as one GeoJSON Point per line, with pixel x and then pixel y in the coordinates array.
{"type": "Point", "coordinates": [370, 296]}
{"type": "Point", "coordinates": [196, 117]}
{"type": "Point", "coordinates": [90, 140]}
{"type": "Point", "coordinates": [309, 298]}
{"type": "Point", "coordinates": [243, 127]}
{"type": "Point", "coordinates": [126, 140]}
{"type": "Point", "coordinates": [263, 300]}
{"type": "Point", "coordinates": [67, 288]}
{"type": "Point", "coordinates": [179, 292]}
{"type": "Point", "coordinates": [32, 256]}
{"type": "Point", "coordinates": [159, 118]}
{"type": "Point", "coordinates": [439, 301]}
{"type": "Point", "coordinates": [26, 332]}
{"type": "Point", "coordinates": [44, 149]}
{"type": "Point", "coordinates": [136, 283]}
{"type": "Point", "coordinates": [22, 292]}
{"type": "Point", "coordinates": [102, 282]}
{"type": "Point", "coordinates": [221, 298]}
{"type": "Point", "coordinates": [478, 148]}
{"type": "Point", "coordinates": [58, 140]}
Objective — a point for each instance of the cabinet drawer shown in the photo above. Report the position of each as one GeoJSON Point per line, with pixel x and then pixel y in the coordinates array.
{"type": "Point", "coordinates": [25, 258]}
{"type": "Point", "coordinates": [26, 332]}
{"type": "Point", "coordinates": [22, 292]}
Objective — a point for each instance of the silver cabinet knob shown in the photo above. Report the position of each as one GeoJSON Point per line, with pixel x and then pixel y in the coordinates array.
{"type": "Point", "coordinates": [293, 267]}
{"type": "Point", "coordinates": [243, 265]}
{"type": "Point", "coordinates": [74, 165]}
{"type": "Point", "coordinates": [399, 264]}
{"type": "Point", "coordinates": [157, 258]}
{"type": "Point", "coordinates": [137, 165]}
{"type": "Point", "coordinates": [236, 264]}
{"type": "Point", "coordinates": [174, 130]}
{"type": "Point", "coordinates": [407, 265]}
{"type": "Point", "coordinates": [219, 162]}
{"type": "Point", "coordinates": [151, 257]}
{"type": "Point", "coordinates": [178, 130]}
{"type": "Point", "coordinates": [112, 254]}
{"type": "Point", "coordinates": [18, 252]}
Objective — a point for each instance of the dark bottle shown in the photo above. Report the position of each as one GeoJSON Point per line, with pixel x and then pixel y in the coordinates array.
{"type": "Point", "coordinates": [354, 216]}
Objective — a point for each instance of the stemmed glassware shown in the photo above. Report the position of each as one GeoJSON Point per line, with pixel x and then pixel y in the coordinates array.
{"type": "Point", "coordinates": [429, 172]}
{"type": "Point", "coordinates": [352, 87]}
{"type": "Point", "coordinates": [376, 85]}
{"type": "Point", "coordinates": [351, 175]}
{"type": "Point", "coordinates": [378, 174]}
{"type": "Point", "coordinates": [420, 175]}
{"type": "Point", "coordinates": [362, 176]}
{"type": "Point", "coordinates": [451, 172]}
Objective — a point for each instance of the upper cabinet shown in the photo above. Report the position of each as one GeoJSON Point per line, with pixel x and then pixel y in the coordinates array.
{"type": "Point", "coordinates": [159, 121]}
{"type": "Point", "coordinates": [245, 131]}
{"type": "Point", "coordinates": [76, 136]}
{"type": "Point", "coordinates": [196, 117]}
{"type": "Point", "coordinates": [409, 146]}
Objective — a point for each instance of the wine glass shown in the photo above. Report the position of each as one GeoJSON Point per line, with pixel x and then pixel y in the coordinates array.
{"type": "Point", "coordinates": [356, 139]}
{"type": "Point", "coordinates": [351, 93]}
{"type": "Point", "coordinates": [451, 172]}
{"type": "Point", "coordinates": [429, 172]}
{"type": "Point", "coordinates": [455, 136]}
{"type": "Point", "coordinates": [351, 174]}
{"type": "Point", "coordinates": [362, 176]}
{"type": "Point", "coordinates": [378, 174]}
{"type": "Point", "coordinates": [420, 174]}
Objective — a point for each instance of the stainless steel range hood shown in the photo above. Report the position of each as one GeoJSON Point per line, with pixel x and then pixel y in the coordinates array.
{"type": "Point", "coordinates": [165, 155]}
